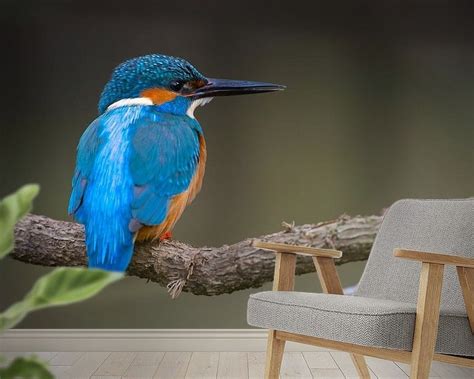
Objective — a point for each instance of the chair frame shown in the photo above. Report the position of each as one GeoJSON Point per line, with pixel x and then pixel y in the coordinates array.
{"type": "Point", "coordinates": [427, 311]}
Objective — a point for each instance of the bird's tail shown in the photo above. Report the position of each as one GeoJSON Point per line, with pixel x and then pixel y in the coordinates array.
{"type": "Point", "coordinates": [109, 244]}
{"type": "Point", "coordinates": [107, 214]}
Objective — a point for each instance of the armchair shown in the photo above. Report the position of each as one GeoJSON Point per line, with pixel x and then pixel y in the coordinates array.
{"type": "Point", "coordinates": [399, 312]}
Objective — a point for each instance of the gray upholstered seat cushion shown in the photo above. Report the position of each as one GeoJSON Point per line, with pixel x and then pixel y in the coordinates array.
{"type": "Point", "coordinates": [354, 319]}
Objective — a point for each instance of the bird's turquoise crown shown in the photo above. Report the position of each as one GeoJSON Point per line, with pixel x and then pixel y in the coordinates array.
{"type": "Point", "coordinates": [132, 77]}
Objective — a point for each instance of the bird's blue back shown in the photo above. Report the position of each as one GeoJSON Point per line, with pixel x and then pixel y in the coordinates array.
{"type": "Point", "coordinates": [130, 162]}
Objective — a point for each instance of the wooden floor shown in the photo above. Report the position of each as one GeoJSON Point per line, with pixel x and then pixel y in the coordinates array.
{"type": "Point", "coordinates": [321, 364]}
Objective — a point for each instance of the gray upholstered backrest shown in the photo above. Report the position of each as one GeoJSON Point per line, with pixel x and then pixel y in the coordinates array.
{"type": "Point", "coordinates": [440, 226]}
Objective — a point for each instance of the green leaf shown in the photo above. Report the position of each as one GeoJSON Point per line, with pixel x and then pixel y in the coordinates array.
{"type": "Point", "coordinates": [12, 209]}
{"type": "Point", "coordinates": [26, 368]}
{"type": "Point", "coordinates": [60, 287]}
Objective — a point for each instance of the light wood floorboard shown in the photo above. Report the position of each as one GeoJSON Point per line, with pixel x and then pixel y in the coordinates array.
{"type": "Point", "coordinates": [320, 360]}
{"type": "Point", "coordinates": [59, 371]}
{"type": "Point", "coordinates": [223, 365]}
{"type": "Point", "coordinates": [451, 371]}
{"type": "Point", "coordinates": [86, 365]}
{"type": "Point", "coordinates": [116, 364]}
{"type": "Point", "coordinates": [144, 365]}
{"type": "Point", "coordinates": [67, 358]}
{"type": "Point", "coordinates": [294, 366]}
{"type": "Point", "coordinates": [173, 365]}
{"type": "Point", "coordinates": [344, 362]}
{"type": "Point", "coordinates": [406, 369]}
{"type": "Point", "coordinates": [327, 373]}
{"type": "Point", "coordinates": [256, 363]}
{"type": "Point", "coordinates": [385, 369]}
{"type": "Point", "coordinates": [233, 366]}
{"type": "Point", "coordinates": [203, 365]}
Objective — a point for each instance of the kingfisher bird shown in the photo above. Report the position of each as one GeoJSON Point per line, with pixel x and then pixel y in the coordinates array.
{"type": "Point", "coordinates": [142, 161]}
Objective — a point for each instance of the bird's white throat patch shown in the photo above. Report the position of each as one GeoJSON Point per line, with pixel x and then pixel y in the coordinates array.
{"type": "Point", "coordinates": [132, 101]}
{"type": "Point", "coordinates": [197, 103]}
{"type": "Point", "coordinates": [147, 101]}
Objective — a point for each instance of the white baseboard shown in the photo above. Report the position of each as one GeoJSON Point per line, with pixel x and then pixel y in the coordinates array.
{"type": "Point", "coordinates": [21, 340]}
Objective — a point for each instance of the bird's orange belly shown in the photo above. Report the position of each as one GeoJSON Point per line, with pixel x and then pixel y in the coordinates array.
{"type": "Point", "coordinates": [179, 202]}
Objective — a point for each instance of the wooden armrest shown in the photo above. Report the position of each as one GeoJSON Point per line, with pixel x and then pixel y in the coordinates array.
{"type": "Point", "coordinates": [296, 249]}
{"type": "Point", "coordinates": [464, 267]}
{"type": "Point", "coordinates": [286, 263]}
{"type": "Point", "coordinates": [426, 257]}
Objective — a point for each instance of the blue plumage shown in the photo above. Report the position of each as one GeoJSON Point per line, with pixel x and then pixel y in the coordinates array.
{"type": "Point", "coordinates": [163, 161]}
{"type": "Point", "coordinates": [143, 150]}
{"type": "Point", "coordinates": [131, 161]}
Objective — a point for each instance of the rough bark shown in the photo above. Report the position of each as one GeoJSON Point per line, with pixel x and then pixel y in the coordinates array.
{"type": "Point", "coordinates": [204, 270]}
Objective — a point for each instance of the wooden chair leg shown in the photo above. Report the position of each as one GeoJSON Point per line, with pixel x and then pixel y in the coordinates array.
{"type": "Point", "coordinates": [427, 317]}
{"type": "Point", "coordinates": [275, 349]}
{"type": "Point", "coordinates": [466, 279]}
{"type": "Point", "coordinates": [330, 283]}
{"type": "Point", "coordinates": [361, 366]}
{"type": "Point", "coordinates": [284, 280]}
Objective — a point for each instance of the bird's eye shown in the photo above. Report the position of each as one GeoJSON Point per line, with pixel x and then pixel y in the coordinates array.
{"type": "Point", "coordinates": [176, 85]}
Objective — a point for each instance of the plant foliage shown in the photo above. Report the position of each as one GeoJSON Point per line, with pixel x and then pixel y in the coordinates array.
{"type": "Point", "coordinates": [27, 368]}
{"type": "Point", "coordinates": [61, 286]}
{"type": "Point", "coordinates": [12, 209]}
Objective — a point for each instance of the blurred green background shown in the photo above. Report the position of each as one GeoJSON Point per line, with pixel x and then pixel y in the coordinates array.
{"type": "Point", "coordinates": [379, 106]}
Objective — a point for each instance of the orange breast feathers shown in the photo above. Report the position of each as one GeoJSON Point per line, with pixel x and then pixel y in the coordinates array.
{"type": "Point", "coordinates": [179, 202]}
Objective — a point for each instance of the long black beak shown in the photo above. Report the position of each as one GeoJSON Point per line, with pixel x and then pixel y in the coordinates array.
{"type": "Point", "coordinates": [226, 87]}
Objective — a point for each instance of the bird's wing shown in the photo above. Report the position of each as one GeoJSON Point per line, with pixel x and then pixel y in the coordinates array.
{"type": "Point", "coordinates": [163, 160]}
{"type": "Point", "coordinates": [86, 152]}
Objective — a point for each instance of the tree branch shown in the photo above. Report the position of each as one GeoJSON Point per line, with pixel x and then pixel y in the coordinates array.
{"type": "Point", "coordinates": [201, 271]}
